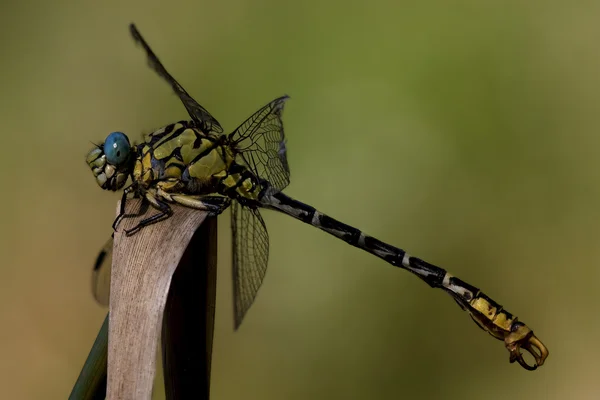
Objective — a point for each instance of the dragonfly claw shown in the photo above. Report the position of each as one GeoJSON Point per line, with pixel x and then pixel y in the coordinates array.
{"type": "Point", "coordinates": [522, 337]}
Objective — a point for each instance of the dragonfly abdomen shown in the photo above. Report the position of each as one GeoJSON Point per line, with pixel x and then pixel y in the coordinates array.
{"type": "Point", "coordinates": [429, 273]}
{"type": "Point", "coordinates": [488, 314]}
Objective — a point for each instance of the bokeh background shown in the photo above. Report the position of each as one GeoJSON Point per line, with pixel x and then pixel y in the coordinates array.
{"type": "Point", "coordinates": [466, 132]}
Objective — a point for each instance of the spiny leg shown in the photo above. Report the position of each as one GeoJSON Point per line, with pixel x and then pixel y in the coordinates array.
{"type": "Point", "coordinates": [122, 213]}
{"type": "Point", "coordinates": [215, 205]}
{"type": "Point", "coordinates": [164, 212]}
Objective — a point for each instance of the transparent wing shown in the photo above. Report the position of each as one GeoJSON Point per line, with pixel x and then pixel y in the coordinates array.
{"type": "Point", "coordinates": [101, 274]}
{"type": "Point", "coordinates": [261, 144]}
{"type": "Point", "coordinates": [250, 257]}
{"type": "Point", "coordinates": [205, 121]}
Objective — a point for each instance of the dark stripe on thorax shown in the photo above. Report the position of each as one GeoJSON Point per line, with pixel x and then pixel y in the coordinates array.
{"type": "Point", "coordinates": [166, 134]}
{"type": "Point", "coordinates": [215, 143]}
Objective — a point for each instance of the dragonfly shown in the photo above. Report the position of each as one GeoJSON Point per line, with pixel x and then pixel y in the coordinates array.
{"type": "Point", "coordinates": [194, 164]}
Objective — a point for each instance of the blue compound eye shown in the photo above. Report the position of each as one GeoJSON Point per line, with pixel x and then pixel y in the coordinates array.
{"type": "Point", "coordinates": [116, 148]}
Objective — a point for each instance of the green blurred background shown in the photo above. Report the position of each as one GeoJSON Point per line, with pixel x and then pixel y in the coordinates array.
{"type": "Point", "coordinates": [466, 132]}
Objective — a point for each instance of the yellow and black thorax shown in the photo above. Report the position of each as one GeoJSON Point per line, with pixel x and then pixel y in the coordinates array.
{"type": "Point", "coordinates": [189, 161]}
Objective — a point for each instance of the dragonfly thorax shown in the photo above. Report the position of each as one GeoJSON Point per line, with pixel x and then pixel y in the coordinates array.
{"type": "Point", "coordinates": [181, 158]}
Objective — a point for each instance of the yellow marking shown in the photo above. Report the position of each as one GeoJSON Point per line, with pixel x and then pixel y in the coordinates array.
{"type": "Point", "coordinates": [246, 189]}
{"type": "Point", "coordinates": [164, 147]}
{"type": "Point", "coordinates": [495, 321]}
{"type": "Point", "coordinates": [172, 171]}
{"type": "Point", "coordinates": [147, 161]}
{"type": "Point", "coordinates": [189, 153]}
{"type": "Point", "coordinates": [190, 201]}
{"type": "Point", "coordinates": [146, 168]}
{"type": "Point", "coordinates": [138, 170]}
{"type": "Point", "coordinates": [169, 186]}
{"type": "Point", "coordinates": [484, 307]}
{"type": "Point", "coordinates": [502, 321]}
{"type": "Point", "coordinates": [243, 193]}
{"type": "Point", "coordinates": [148, 176]}
{"type": "Point", "coordinates": [207, 166]}
{"type": "Point", "coordinates": [166, 136]}
{"type": "Point", "coordinates": [185, 142]}
{"type": "Point", "coordinates": [247, 184]}
{"type": "Point", "coordinates": [230, 181]}
{"type": "Point", "coordinates": [221, 174]}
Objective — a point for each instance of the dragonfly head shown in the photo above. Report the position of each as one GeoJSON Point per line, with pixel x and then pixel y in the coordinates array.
{"type": "Point", "coordinates": [111, 161]}
{"type": "Point", "coordinates": [521, 337]}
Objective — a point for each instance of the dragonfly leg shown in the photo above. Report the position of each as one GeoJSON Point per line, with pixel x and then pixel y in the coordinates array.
{"type": "Point", "coordinates": [164, 212]}
{"type": "Point", "coordinates": [143, 209]}
{"type": "Point", "coordinates": [122, 213]}
{"type": "Point", "coordinates": [121, 209]}
{"type": "Point", "coordinates": [215, 205]}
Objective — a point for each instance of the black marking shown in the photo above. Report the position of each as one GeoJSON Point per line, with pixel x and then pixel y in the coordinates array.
{"type": "Point", "coordinates": [509, 316]}
{"type": "Point", "coordinates": [265, 187]}
{"type": "Point", "coordinates": [214, 145]}
{"type": "Point", "coordinates": [516, 325]}
{"type": "Point", "coordinates": [168, 131]}
{"type": "Point", "coordinates": [230, 191]}
{"type": "Point", "coordinates": [236, 168]}
{"type": "Point", "coordinates": [391, 254]}
{"type": "Point", "coordinates": [304, 212]}
{"type": "Point", "coordinates": [223, 151]}
{"type": "Point", "coordinates": [198, 141]}
{"type": "Point", "coordinates": [435, 274]}
{"type": "Point", "coordinates": [432, 275]}
{"type": "Point", "coordinates": [288, 201]}
{"type": "Point", "coordinates": [345, 232]}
